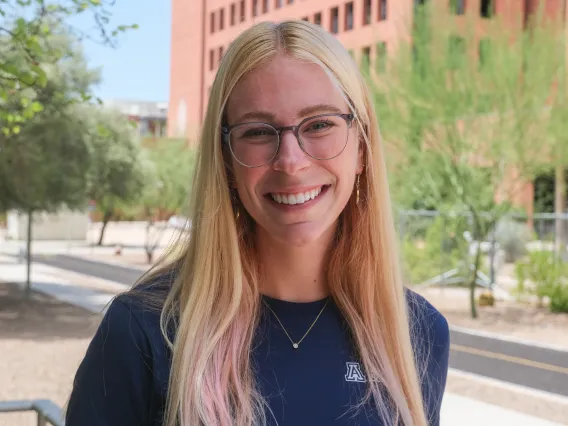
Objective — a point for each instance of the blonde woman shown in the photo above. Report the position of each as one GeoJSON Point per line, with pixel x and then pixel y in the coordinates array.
{"type": "Point", "coordinates": [287, 305]}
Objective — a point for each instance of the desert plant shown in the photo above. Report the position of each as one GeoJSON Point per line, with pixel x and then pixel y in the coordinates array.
{"type": "Point", "coordinates": [545, 276]}
{"type": "Point", "coordinates": [512, 237]}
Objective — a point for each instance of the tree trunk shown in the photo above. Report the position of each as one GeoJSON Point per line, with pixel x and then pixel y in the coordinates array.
{"type": "Point", "coordinates": [29, 256]}
{"type": "Point", "coordinates": [559, 207]}
{"type": "Point", "coordinates": [106, 219]}
{"type": "Point", "coordinates": [473, 279]}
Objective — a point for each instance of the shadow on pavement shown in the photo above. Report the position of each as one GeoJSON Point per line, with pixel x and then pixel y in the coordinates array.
{"type": "Point", "coordinates": [42, 317]}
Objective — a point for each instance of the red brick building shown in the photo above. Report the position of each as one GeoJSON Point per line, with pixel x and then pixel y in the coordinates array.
{"type": "Point", "coordinates": [203, 29]}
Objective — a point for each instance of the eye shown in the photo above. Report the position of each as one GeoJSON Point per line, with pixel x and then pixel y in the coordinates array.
{"type": "Point", "coordinates": [318, 126]}
{"type": "Point", "coordinates": [259, 132]}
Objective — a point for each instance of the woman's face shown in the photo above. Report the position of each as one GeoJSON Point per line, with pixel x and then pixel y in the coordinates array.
{"type": "Point", "coordinates": [294, 198]}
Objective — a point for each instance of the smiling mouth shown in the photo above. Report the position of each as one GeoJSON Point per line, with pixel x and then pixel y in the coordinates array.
{"type": "Point", "coordinates": [299, 198]}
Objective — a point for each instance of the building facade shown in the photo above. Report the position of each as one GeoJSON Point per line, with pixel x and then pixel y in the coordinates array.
{"type": "Point", "coordinates": [150, 117]}
{"type": "Point", "coordinates": [203, 29]}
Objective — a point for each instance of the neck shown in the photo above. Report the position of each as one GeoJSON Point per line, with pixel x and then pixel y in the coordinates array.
{"type": "Point", "coordinates": [293, 273]}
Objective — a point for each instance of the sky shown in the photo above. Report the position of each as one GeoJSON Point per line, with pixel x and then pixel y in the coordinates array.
{"type": "Point", "coordinates": [138, 68]}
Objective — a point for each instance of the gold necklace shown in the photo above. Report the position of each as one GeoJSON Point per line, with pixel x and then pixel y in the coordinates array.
{"type": "Point", "coordinates": [296, 345]}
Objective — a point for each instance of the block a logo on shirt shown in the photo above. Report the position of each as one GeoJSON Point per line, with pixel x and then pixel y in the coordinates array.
{"type": "Point", "coordinates": [354, 373]}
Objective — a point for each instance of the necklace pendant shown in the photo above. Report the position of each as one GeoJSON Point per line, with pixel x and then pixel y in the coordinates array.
{"type": "Point", "coordinates": [295, 345]}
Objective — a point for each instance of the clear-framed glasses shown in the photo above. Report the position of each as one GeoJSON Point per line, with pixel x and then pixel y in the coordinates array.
{"type": "Point", "coordinates": [256, 144]}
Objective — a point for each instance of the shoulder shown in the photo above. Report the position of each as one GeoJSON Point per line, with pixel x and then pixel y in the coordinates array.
{"type": "Point", "coordinates": [126, 360]}
{"type": "Point", "coordinates": [426, 322]}
{"type": "Point", "coordinates": [140, 308]}
{"type": "Point", "coordinates": [430, 336]}
{"type": "Point", "coordinates": [131, 324]}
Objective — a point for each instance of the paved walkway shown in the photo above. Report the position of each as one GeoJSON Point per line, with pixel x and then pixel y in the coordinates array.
{"type": "Point", "coordinates": [90, 293]}
{"type": "Point", "coordinates": [94, 294]}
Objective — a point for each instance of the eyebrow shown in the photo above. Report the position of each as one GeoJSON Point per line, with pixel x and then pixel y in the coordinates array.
{"type": "Point", "coordinates": [304, 112]}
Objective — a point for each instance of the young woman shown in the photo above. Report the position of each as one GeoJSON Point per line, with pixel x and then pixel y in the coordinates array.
{"type": "Point", "coordinates": [287, 305]}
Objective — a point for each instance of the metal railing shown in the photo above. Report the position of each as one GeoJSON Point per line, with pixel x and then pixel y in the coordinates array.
{"type": "Point", "coordinates": [47, 411]}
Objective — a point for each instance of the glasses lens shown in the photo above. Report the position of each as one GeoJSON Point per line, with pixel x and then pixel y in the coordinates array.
{"type": "Point", "coordinates": [254, 144]}
{"type": "Point", "coordinates": [324, 137]}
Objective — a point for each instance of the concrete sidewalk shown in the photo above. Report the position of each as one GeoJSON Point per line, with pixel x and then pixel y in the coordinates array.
{"type": "Point", "coordinates": [93, 294]}
{"type": "Point", "coordinates": [462, 411]}
{"type": "Point", "coordinates": [90, 293]}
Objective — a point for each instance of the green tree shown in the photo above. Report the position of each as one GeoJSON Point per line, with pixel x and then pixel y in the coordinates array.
{"type": "Point", "coordinates": [555, 141]}
{"type": "Point", "coordinates": [26, 31]}
{"type": "Point", "coordinates": [116, 172]}
{"type": "Point", "coordinates": [44, 162]}
{"type": "Point", "coordinates": [458, 114]}
{"type": "Point", "coordinates": [168, 182]}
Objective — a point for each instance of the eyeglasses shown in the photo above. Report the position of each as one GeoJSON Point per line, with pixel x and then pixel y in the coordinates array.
{"type": "Point", "coordinates": [256, 144]}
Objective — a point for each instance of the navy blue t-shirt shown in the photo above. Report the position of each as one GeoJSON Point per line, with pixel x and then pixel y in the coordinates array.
{"type": "Point", "coordinates": [123, 379]}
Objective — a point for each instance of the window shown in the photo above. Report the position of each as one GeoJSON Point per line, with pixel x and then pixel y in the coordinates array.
{"type": "Point", "coordinates": [367, 12]}
{"type": "Point", "coordinates": [348, 16]}
{"type": "Point", "coordinates": [381, 57]}
{"type": "Point", "coordinates": [221, 19]}
{"type": "Point", "coordinates": [233, 13]}
{"type": "Point", "coordinates": [334, 21]}
{"type": "Point", "coordinates": [290, 1]}
{"type": "Point", "coordinates": [456, 52]}
{"type": "Point", "coordinates": [254, 8]}
{"type": "Point", "coordinates": [457, 7]}
{"type": "Point", "coordinates": [366, 59]}
{"type": "Point", "coordinates": [383, 10]}
{"type": "Point", "coordinates": [264, 6]}
{"type": "Point", "coordinates": [220, 53]}
{"type": "Point", "coordinates": [278, 4]}
{"type": "Point", "coordinates": [530, 8]}
{"type": "Point", "coordinates": [243, 11]}
{"type": "Point", "coordinates": [317, 19]}
{"type": "Point", "coordinates": [305, 18]}
{"type": "Point", "coordinates": [487, 8]}
{"type": "Point", "coordinates": [212, 23]}
{"type": "Point", "coordinates": [211, 59]}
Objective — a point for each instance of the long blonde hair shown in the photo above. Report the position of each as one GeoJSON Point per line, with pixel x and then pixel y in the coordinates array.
{"type": "Point", "coordinates": [214, 299]}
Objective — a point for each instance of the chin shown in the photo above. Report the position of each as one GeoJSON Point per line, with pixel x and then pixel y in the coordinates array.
{"type": "Point", "coordinates": [304, 234]}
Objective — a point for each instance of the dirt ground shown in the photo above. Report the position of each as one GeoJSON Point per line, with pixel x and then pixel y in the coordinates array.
{"type": "Point", "coordinates": [42, 342]}
{"type": "Point", "coordinates": [509, 318]}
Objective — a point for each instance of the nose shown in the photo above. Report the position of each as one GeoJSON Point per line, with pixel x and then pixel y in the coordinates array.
{"type": "Point", "coordinates": [290, 159]}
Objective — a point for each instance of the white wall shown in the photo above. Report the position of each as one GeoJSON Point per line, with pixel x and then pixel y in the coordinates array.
{"type": "Point", "coordinates": [64, 225]}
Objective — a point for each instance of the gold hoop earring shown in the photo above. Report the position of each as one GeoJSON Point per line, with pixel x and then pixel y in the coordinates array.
{"type": "Point", "coordinates": [357, 189]}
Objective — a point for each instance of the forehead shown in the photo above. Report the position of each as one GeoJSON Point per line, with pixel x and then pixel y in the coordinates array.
{"type": "Point", "coordinates": [281, 89]}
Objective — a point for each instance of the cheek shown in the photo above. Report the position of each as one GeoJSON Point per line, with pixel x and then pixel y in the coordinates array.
{"type": "Point", "coordinates": [246, 181]}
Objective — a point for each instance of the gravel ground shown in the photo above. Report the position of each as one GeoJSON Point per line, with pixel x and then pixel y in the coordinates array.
{"type": "Point", "coordinates": [42, 342]}
{"type": "Point", "coordinates": [506, 317]}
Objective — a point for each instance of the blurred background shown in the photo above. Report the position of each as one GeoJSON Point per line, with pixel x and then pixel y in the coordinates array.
{"type": "Point", "coordinates": [100, 108]}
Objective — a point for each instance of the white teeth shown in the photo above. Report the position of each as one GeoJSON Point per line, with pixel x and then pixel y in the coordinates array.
{"type": "Point", "coordinates": [299, 198]}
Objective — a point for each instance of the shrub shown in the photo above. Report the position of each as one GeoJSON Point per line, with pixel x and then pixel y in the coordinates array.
{"type": "Point", "coordinates": [512, 237]}
{"type": "Point", "coordinates": [548, 278]}
{"type": "Point", "coordinates": [442, 248]}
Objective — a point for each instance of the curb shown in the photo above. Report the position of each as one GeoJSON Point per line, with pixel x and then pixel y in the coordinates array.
{"type": "Point", "coordinates": [510, 339]}
{"type": "Point", "coordinates": [535, 393]}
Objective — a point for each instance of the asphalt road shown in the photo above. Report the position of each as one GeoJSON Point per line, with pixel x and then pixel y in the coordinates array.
{"type": "Point", "coordinates": [116, 273]}
{"type": "Point", "coordinates": [531, 366]}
